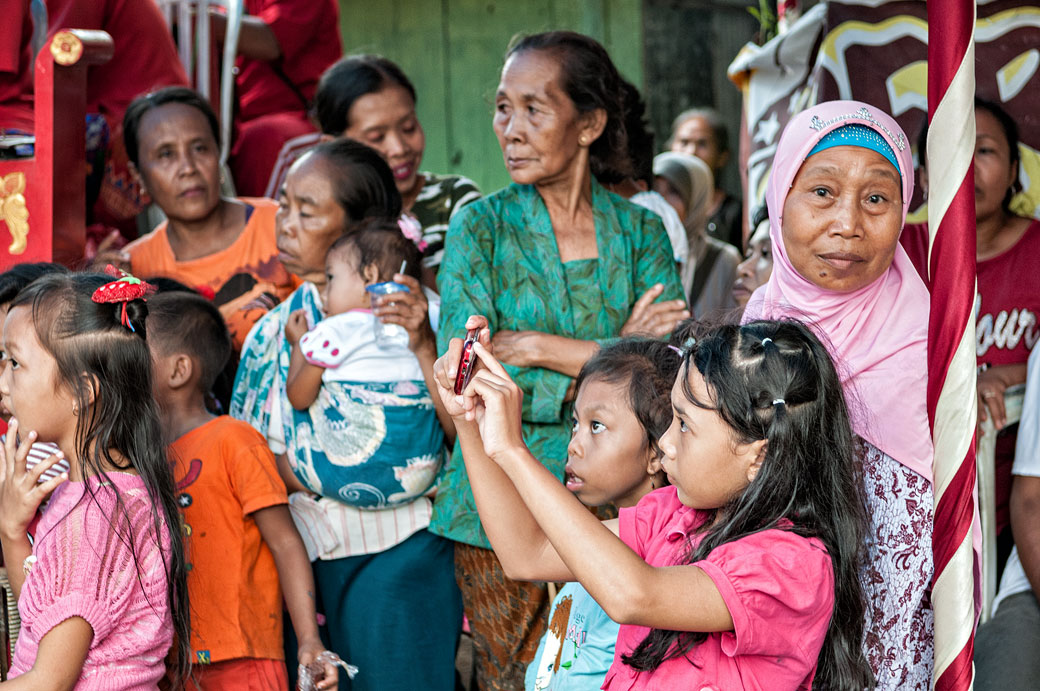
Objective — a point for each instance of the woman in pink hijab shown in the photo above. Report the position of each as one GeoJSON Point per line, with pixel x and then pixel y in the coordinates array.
{"type": "Point", "coordinates": [838, 195]}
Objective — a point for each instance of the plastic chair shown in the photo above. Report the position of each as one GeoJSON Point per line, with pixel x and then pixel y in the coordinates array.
{"type": "Point", "coordinates": [985, 455]}
{"type": "Point", "coordinates": [194, 44]}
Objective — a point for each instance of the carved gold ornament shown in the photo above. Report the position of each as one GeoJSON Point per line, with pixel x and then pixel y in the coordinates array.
{"type": "Point", "coordinates": [14, 211]}
{"type": "Point", "coordinates": [66, 48]}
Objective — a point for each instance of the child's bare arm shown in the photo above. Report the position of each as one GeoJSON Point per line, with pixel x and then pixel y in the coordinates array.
{"type": "Point", "coordinates": [518, 540]}
{"type": "Point", "coordinates": [297, 580]}
{"type": "Point", "coordinates": [304, 379]}
{"type": "Point", "coordinates": [59, 660]}
{"type": "Point", "coordinates": [630, 591]}
{"type": "Point", "coordinates": [16, 549]}
{"type": "Point", "coordinates": [292, 483]}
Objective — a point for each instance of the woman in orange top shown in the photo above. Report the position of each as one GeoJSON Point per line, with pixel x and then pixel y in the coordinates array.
{"type": "Point", "coordinates": [225, 248]}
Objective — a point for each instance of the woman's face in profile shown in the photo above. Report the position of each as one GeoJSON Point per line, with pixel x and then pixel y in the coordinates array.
{"type": "Point", "coordinates": [842, 218]}
{"type": "Point", "coordinates": [535, 121]}
{"type": "Point", "coordinates": [309, 218]}
{"type": "Point", "coordinates": [671, 195]}
{"type": "Point", "coordinates": [757, 266]}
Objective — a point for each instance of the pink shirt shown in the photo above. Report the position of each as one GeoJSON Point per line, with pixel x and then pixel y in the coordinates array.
{"type": "Point", "coordinates": [84, 569]}
{"type": "Point", "coordinates": [778, 586]}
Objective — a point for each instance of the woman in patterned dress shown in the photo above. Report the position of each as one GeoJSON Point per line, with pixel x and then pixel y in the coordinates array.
{"type": "Point", "coordinates": [385, 583]}
{"type": "Point", "coordinates": [558, 265]}
{"type": "Point", "coordinates": [369, 98]}
{"type": "Point", "coordinates": [838, 195]}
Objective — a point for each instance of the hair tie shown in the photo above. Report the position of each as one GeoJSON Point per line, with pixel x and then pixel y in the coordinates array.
{"type": "Point", "coordinates": [412, 229]}
{"type": "Point", "coordinates": [765, 340]}
{"type": "Point", "coordinates": [124, 289]}
{"type": "Point", "coordinates": [685, 347]}
{"type": "Point", "coordinates": [779, 401]}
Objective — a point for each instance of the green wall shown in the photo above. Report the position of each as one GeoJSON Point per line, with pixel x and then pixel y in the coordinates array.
{"type": "Point", "coordinates": [452, 50]}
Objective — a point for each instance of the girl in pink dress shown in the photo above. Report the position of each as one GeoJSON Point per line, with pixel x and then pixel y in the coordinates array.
{"type": "Point", "coordinates": [101, 592]}
{"type": "Point", "coordinates": [838, 196]}
{"type": "Point", "coordinates": [740, 575]}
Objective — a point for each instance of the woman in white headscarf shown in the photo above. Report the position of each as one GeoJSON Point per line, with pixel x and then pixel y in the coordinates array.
{"type": "Point", "coordinates": [707, 276]}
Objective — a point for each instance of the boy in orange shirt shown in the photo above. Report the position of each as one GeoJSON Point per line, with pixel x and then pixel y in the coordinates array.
{"type": "Point", "coordinates": [240, 538]}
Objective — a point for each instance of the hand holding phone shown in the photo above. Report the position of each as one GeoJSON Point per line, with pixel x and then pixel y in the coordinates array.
{"type": "Point", "coordinates": [466, 362]}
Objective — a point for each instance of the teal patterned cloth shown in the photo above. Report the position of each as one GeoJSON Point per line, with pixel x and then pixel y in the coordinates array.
{"type": "Point", "coordinates": [370, 445]}
{"type": "Point", "coordinates": [501, 260]}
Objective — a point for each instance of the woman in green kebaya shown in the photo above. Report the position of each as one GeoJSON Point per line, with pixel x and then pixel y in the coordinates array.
{"type": "Point", "coordinates": [558, 265]}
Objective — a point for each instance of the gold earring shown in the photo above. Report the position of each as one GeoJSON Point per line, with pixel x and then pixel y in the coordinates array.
{"type": "Point", "coordinates": [583, 140]}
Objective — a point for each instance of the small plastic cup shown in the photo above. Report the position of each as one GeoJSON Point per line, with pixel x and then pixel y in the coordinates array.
{"type": "Point", "coordinates": [388, 335]}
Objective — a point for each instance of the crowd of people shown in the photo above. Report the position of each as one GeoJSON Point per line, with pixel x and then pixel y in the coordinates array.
{"type": "Point", "coordinates": [398, 410]}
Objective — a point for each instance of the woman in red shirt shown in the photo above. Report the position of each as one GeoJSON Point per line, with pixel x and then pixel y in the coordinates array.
{"type": "Point", "coordinates": [1008, 299]}
{"type": "Point", "coordinates": [284, 47]}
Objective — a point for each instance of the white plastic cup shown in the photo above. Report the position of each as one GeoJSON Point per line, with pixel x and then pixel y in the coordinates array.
{"type": "Point", "coordinates": [388, 335]}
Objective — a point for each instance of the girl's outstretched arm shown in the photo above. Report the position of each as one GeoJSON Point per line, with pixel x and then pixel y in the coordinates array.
{"type": "Point", "coordinates": [518, 540]}
{"type": "Point", "coordinates": [297, 581]}
{"type": "Point", "coordinates": [59, 660]}
{"type": "Point", "coordinates": [680, 598]}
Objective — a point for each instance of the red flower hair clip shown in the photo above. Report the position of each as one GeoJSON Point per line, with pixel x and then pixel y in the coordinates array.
{"type": "Point", "coordinates": [124, 289]}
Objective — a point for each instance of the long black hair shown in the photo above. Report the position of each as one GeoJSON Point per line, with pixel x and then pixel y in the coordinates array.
{"type": "Point", "coordinates": [774, 380]}
{"type": "Point", "coordinates": [639, 133]}
{"type": "Point", "coordinates": [108, 369]}
{"type": "Point", "coordinates": [588, 76]}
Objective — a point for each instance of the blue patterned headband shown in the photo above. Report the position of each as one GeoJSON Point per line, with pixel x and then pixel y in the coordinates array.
{"type": "Point", "coordinates": [857, 135]}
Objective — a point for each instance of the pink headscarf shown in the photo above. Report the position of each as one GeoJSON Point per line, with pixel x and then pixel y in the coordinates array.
{"type": "Point", "coordinates": [878, 335]}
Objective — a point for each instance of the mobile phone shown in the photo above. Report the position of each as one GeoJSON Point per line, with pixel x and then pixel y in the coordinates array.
{"type": "Point", "coordinates": [466, 361]}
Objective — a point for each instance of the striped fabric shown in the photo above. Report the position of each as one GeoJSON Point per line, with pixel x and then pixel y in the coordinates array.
{"type": "Point", "coordinates": [39, 452]}
{"type": "Point", "coordinates": [951, 336]}
{"type": "Point", "coordinates": [333, 530]}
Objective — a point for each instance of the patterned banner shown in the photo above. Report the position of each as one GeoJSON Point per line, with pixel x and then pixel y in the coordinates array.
{"type": "Point", "coordinates": [876, 51]}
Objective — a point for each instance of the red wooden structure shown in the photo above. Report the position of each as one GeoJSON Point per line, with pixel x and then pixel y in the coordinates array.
{"type": "Point", "coordinates": [43, 198]}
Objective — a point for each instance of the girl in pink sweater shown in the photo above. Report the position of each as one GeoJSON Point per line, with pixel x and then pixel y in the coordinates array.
{"type": "Point", "coordinates": [101, 592]}
{"type": "Point", "coordinates": [741, 575]}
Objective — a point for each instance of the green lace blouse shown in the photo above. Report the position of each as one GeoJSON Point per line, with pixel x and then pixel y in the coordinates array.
{"type": "Point", "coordinates": [501, 260]}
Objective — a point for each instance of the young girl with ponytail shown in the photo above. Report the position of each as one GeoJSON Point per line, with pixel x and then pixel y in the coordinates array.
{"type": "Point", "coordinates": [101, 592]}
{"type": "Point", "coordinates": [740, 575]}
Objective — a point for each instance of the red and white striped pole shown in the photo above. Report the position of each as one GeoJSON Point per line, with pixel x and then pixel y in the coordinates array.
{"type": "Point", "coordinates": [951, 333]}
{"type": "Point", "coordinates": [787, 13]}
